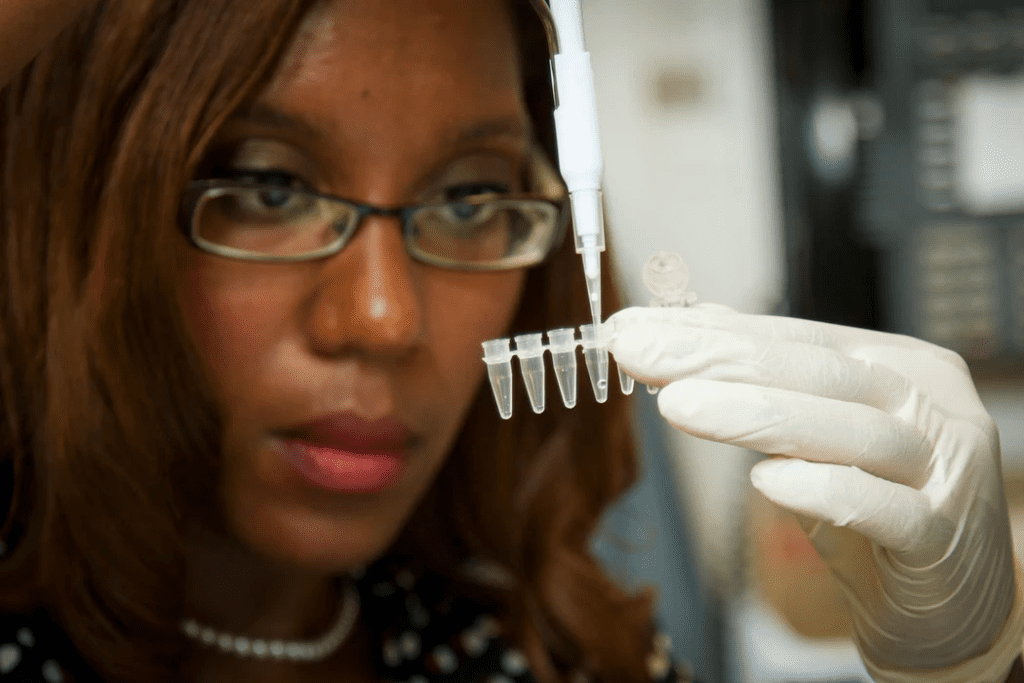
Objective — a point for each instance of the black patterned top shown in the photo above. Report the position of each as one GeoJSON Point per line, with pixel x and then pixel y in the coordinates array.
{"type": "Point", "coordinates": [425, 632]}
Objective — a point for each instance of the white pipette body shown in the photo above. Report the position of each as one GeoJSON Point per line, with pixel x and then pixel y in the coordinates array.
{"type": "Point", "coordinates": [579, 144]}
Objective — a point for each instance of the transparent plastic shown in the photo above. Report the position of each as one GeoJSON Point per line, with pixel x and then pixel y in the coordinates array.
{"type": "Point", "coordinates": [530, 349]}
{"type": "Point", "coordinates": [562, 344]}
{"type": "Point", "coordinates": [626, 382]}
{"type": "Point", "coordinates": [665, 276]}
{"type": "Point", "coordinates": [498, 357]}
{"type": "Point", "coordinates": [596, 355]}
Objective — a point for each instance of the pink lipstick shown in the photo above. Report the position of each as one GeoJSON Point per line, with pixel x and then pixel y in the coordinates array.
{"type": "Point", "coordinates": [344, 452]}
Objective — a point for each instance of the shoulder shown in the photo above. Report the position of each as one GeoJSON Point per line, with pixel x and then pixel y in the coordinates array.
{"type": "Point", "coordinates": [29, 650]}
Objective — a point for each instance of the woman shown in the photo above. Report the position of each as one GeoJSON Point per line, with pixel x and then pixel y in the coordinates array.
{"type": "Point", "coordinates": [162, 480]}
{"type": "Point", "coordinates": [202, 442]}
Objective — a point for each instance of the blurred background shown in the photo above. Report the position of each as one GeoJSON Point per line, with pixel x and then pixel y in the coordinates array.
{"type": "Point", "coordinates": [852, 161]}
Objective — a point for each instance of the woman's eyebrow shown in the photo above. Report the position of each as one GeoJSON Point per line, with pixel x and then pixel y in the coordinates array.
{"type": "Point", "coordinates": [478, 131]}
{"type": "Point", "coordinates": [272, 117]}
{"type": "Point", "coordinates": [493, 128]}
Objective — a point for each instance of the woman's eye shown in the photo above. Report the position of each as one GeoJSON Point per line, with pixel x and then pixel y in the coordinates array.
{"type": "Point", "coordinates": [281, 199]}
{"type": "Point", "coordinates": [274, 177]}
{"type": "Point", "coordinates": [275, 199]}
{"type": "Point", "coordinates": [270, 198]}
{"type": "Point", "coordinates": [460, 192]}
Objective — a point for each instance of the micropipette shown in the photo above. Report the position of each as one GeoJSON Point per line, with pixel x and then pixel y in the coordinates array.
{"type": "Point", "coordinates": [581, 165]}
{"type": "Point", "coordinates": [579, 145]}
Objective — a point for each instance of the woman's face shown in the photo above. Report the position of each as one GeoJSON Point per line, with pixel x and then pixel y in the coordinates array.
{"type": "Point", "coordinates": [317, 364]}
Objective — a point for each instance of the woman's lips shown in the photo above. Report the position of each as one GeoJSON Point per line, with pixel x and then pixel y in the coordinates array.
{"type": "Point", "coordinates": [343, 452]}
{"type": "Point", "coordinates": [349, 432]}
{"type": "Point", "coordinates": [339, 470]}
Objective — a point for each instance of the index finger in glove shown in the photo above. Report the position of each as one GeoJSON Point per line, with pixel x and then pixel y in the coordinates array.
{"type": "Point", "coordinates": [935, 372]}
{"type": "Point", "coordinates": [847, 340]}
{"type": "Point", "coordinates": [657, 354]}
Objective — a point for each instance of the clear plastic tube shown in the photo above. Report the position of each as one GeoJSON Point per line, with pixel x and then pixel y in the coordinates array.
{"type": "Point", "coordinates": [626, 382]}
{"type": "Point", "coordinates": [562, 344]}
{"type": "Point", "coordinates": [530, 349]}
{"type": "Point", "coordinates": [595, 353]}
{"type": "Point", "coordinates": [498, 357]}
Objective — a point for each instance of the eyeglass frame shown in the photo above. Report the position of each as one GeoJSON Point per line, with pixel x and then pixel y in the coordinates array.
{"type": "Point", "coordinates": [546, 179]}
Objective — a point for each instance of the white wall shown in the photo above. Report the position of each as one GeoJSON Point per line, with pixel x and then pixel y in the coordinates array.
{"type": "Point", "coordinates": [695, 175]}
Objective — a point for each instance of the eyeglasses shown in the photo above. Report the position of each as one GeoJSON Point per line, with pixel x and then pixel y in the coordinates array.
{"type": "Point", "coordinates": [273, 223]}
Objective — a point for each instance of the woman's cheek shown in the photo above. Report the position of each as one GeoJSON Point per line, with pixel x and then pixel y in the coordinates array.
{"type": "Point", "coordinates": [469, 309]}
{"type": "Point", "coordinates": [234, 322]}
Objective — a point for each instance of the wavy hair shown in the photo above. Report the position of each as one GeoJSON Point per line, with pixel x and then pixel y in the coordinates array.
{"type": "Point", "coordinates": [106, 417]}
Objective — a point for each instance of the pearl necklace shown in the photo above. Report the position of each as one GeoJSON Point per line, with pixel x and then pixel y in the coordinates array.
{"type": "Point", "coordinates": [306, 651]}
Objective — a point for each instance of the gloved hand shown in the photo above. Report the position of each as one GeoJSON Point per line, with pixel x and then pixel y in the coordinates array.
{"type": "Point", "coordinates": [889, 460]}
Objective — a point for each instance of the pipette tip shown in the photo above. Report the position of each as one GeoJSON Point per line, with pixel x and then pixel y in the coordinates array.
{"type": "Point", "coordinates": [594, 296]}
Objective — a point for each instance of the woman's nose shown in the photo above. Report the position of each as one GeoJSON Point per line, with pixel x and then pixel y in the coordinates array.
{"type": "Point", "coordinates": [368, 300]}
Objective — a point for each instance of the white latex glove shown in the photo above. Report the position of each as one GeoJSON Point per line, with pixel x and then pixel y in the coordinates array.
{"type": "Point", "coordinates": [890, 460]}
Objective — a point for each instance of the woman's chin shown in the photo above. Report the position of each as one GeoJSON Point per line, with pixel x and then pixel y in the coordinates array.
{"type": "Point", "coordinates": [317, 542]}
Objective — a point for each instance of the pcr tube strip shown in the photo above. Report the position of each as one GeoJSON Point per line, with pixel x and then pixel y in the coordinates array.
{"type": "Point", "coordinates": [561, 344]}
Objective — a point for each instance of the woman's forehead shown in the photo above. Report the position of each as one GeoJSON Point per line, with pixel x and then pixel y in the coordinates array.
{"type": "Point", "coordinates": [376, 39]}
{"type": "Point", "coordinates": [372, 79]}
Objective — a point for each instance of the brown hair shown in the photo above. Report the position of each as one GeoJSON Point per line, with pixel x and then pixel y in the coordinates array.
{"type": "Point", "coordinates": [106, 420]}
